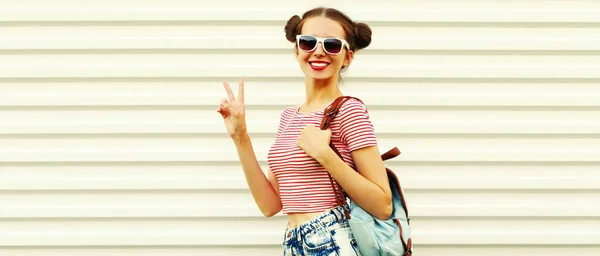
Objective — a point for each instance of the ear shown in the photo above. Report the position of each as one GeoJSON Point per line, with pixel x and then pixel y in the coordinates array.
{"type": "Point", "coordinates": [348, 58]}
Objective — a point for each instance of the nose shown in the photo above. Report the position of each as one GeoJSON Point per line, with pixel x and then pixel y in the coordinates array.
{"type": "Point", "coordinates": [319, 50]}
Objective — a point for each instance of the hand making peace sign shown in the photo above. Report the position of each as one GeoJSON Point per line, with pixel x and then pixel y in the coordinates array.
{"type": "Point", "coordinates": [233, 111]}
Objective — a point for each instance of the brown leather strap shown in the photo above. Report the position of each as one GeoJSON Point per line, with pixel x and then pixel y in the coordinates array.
{"type": "Point", "coordinates": [394, 152]}
{"type": "Point", "coordinates": [407, 246]}
{"type": "Point", "coordinates": [340, 196]}
{"type": "Point", "coordinates": [330, 112]}
{"type": "Point", "coordinates": [391, 174]}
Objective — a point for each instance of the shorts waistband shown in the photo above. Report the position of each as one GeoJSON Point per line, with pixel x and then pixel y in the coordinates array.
{"type": "Point", "coordinates": [328, 218]}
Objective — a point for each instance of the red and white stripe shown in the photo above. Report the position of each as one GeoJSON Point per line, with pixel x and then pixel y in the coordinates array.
{"type": "Point", "coordinates": [304, 185]}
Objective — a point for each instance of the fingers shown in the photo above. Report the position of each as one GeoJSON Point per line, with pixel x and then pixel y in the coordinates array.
{"type": "Point", "coordinates": [228, 90]}
{"type": "Point", "coordinates": [241, 90]}
{"type": "Point", "coordinates": [224, 104]}
{"type": "Point", "coordinates": [224, 108]}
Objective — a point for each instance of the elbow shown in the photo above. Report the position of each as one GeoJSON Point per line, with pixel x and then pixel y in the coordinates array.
{"type": "Point", "coordinates": [385, 213]}
{"type": "Point", "coordinates": [386, 210]}
{"type": "Point", "coordinates": [271, 212]}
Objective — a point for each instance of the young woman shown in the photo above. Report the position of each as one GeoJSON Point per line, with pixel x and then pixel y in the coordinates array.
{"type": "Point", "coordinates": [300, 159]}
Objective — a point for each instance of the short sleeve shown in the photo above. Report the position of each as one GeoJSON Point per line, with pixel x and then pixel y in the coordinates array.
{"type": "Point", "coordinates": [284, 119]}
{"type": "Point", "coordinates": [356, 129]}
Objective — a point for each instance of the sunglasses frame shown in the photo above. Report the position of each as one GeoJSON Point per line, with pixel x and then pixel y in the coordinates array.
{"type": "Point", "coordinates": [322, 41]}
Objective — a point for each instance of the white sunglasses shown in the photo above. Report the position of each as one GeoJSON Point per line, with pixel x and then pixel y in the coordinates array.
{"type": "Point", "coordinates": [331, 45]}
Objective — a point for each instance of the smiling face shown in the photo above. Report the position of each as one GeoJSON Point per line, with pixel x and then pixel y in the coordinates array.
{"type": "Point", "coordinates": [318, 64]}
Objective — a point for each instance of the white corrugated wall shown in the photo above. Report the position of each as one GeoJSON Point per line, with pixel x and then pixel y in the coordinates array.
{"type": "Point", "coordinates": [110, 143]}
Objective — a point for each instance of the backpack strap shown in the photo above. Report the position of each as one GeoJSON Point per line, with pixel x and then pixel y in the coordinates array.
{"type": "Point", "coordinates": [333, 109]}
{"type": "Point", "coordinates": [330, 112]}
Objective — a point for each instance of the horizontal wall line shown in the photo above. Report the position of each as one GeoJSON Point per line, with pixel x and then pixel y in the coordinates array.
{"type": "Point", "coordinates": [486, 24]}
{"type": "Point", "coordinates": [245, 190]}
{"type": "Point", "coordinates": [502, 246]}
{"type": "Point", "coordinates": [282, 22]}
{"type": "Point", "coordinates": [130, 219]}
{"type": "Point", "coordinates": [541, 80]}
{"type": "Point", "coordinates": [124, 246]}
{"type": "Point", "coordinates": [280, 217]}
{"type": "Point", "coordinates": [213, 51]}
{"type": "Point", "coordinates": [277, 246]}
{"type": "Point", "coordinates": [125, 191]}
{"type": "Point", "coordinates": [380, 135]}
{"type": "Point", "coordinates": [144, 23]}
{"type": "Point", "coordinates": [264, 163]}
{"type": "Point", "coordinates": [213, 106]}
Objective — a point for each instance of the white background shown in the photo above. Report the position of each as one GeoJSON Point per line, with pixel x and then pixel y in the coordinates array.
{"type": "Point", "coordinates": [110, 143]}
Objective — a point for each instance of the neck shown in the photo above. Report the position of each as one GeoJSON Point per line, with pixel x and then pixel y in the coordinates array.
{"type": "Point", "coordinates": [319, 92]}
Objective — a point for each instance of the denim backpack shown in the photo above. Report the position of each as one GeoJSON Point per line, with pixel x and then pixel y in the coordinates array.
{"type": "Point", "coordinates": [391, 237]}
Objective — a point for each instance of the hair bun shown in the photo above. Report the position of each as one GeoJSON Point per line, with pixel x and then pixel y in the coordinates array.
{"type": "Point", "coordinates": [291, 28]}
{"type": "Point", "coordinates": [363, 35]}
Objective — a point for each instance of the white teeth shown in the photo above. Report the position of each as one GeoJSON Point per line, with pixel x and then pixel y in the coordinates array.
{"type": "Point", "coordinates": [319, 64]}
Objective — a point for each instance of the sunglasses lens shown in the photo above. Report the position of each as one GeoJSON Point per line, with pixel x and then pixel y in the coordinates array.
{"type": "Point", "coordinates": [307, 43]}
{"type": "Point", "coordinates": [333, 45]}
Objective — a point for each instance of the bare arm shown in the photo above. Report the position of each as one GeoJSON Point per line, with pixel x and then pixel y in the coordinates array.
{"type": "Point", "coordinates": [369, 187]}
{"type": "Point", "coordinates": [264, 190]}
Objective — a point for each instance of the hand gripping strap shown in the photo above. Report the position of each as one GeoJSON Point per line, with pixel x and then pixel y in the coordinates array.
{"type": "Point", "coordinates": [328, 116]}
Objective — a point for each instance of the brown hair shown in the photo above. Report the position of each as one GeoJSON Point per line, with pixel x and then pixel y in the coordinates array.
{"type": "Point", "coordinates": [358, 35]}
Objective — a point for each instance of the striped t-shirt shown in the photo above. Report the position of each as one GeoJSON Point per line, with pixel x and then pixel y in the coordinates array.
{"type": "Point", "coordinates": [304, 185]}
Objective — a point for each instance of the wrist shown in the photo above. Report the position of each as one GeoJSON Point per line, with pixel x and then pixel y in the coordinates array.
{"type": "Point", "coordinates": [241, 138]}
{"type": "Point", "coordinates": [325, 155]}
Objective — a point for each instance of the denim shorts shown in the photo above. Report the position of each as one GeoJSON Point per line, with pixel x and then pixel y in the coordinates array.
{"type": "Point", "coordinates": [326, 234]}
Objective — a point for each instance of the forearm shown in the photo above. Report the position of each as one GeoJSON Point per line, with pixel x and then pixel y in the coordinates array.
{"type": "Point", "coordinates": [262, 190]}
{"type": "Point", "coordinates": [365, 193]}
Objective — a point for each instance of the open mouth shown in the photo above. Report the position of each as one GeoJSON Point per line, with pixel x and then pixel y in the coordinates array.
{"type": "Point", "coordinates": [318, 65]}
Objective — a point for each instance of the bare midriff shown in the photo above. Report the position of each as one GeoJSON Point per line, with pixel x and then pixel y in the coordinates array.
{"type": "Point", "coordinates": [295, 219]}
